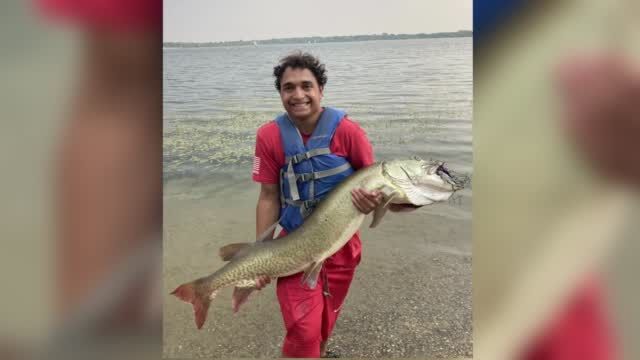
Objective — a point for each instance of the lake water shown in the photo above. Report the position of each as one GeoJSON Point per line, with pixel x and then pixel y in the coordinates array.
{"type": "Point", "coordinates": [412, 97]}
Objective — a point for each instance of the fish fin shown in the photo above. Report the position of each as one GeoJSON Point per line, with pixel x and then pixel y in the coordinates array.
{"type": "Point", "coordinates": [386, 204]}
{"type": "Point", "coordinates": [198, 297]}
{"type": "Point", "coordinates": [378, 213]}
{"type": "Point", "coordinates": [310, 276]}
{"type": "Point", "coordinates": [229, 251]}
{"type": "Point", "coordinates": [381, 210]}
{"type": "Point", "coordinates": [240, 296]}
{"type": "Point", "coordinates": [389, 194]}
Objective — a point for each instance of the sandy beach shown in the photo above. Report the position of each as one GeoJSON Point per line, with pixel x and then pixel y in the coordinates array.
{"type": "Point", "coordinates": [411, 296]}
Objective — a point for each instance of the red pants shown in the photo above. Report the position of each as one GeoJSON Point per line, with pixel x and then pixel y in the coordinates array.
{"type": "Point", "coordinates": [309, 315]}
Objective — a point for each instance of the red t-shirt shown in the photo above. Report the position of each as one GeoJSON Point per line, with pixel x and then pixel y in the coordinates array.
{"type": "Point", "coordinates": [349, 141]}
{"type": "Point", "coordinates": [116, 15]}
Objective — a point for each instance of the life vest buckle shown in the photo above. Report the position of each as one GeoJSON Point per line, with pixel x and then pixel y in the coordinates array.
{"type": "Point", "coordinates": [308, 176]}
{"type": "Point", "coordinates": [299, 157]}
{"type": "Point", "coordinates": [310, 203]}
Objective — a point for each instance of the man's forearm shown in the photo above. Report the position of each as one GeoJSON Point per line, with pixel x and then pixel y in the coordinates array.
{"type": "Point", "coordinates": [267, 212]}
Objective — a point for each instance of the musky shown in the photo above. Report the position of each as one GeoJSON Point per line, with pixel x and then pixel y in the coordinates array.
{"type": "Point", "coordinates": [229, 20]}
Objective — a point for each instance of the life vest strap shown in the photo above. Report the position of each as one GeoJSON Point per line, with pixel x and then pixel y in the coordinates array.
{"type": "Point", "coordinates": [305, 206]}
{"type": "Point", "coordinates": [324, 173]}
{"type": "Point", "coordinates": [293, 186]}
{"type": "Point", "coordinates": [307, 155]}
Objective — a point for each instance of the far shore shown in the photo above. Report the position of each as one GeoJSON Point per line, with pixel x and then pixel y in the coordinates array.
{"type": "Point", "coordinates": [320, 39]}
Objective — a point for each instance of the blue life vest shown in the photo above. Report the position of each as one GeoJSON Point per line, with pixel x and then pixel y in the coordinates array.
{"type": "Point", "coordinates": [310, 171]}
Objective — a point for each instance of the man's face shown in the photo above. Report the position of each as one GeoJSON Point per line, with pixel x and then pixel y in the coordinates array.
{"type": "Point", "coordinates": [300, 93]}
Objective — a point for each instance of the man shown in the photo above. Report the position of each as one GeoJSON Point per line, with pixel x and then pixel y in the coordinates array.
{"type": "Point", "coordinates": [309, 138]}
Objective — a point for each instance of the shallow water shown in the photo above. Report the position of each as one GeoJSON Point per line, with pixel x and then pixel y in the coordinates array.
{"type": "Point", "coordinates": [413, 97]}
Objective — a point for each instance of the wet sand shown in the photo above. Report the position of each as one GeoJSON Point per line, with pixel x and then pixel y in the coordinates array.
{"type": "Point", "coordinates": [411, 296]}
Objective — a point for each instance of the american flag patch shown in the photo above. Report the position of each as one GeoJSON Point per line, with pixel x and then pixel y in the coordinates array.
{"type": "Point", "coordinates": [256, 165]}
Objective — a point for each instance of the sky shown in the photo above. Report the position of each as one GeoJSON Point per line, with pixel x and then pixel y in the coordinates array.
{"type": "Point", "coordinates": [230, 20]}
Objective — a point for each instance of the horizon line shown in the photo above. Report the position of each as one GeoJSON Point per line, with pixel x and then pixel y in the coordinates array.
{"type": "Point", "coordinates": [315, 36]}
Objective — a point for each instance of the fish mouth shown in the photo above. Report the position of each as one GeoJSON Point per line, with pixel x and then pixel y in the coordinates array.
{"type": "Point", "coordinates": [456, 181]}
{"type": "Point", "coordinates": [414, 206]}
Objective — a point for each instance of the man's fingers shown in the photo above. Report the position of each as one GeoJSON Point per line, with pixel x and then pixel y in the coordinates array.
{"type": "Point", "coordinates": [356, 198]}
{"type": "Point", "coordinates": [262, 282]}
{"type": "Point", "coordinates": [370, 201]}
{"type": "Point", "coordinates": [364, 204]}
{"type": "Point", "coordinates": [375, 197]}
{"type": "Point", "coordinates": [366, 201]}
{"type": "Point", "coordinates": [356, 203]}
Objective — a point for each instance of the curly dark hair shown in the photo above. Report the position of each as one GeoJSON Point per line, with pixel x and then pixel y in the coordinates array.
{"type": "Point", "coordinates": [300, 60]}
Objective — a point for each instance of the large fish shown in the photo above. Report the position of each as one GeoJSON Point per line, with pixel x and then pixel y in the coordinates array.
{"type": "Point", "coordinates": [412, 182]}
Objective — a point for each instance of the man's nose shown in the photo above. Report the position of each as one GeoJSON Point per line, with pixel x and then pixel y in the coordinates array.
{"type": "Point", "coordinates": [298, 93]}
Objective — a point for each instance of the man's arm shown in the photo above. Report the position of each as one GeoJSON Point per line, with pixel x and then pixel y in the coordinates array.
{"type": "Point", "coordinates": [268, 207]}
{"type": "Point", "coordinates": [267, 211]}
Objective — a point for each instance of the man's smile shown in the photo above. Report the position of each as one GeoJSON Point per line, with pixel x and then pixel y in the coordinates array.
{"type": "Point", "coordinates": [300, 105]}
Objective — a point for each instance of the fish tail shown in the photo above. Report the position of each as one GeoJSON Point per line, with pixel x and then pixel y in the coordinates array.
{"type": "Point", "coordinates": [199, 296]}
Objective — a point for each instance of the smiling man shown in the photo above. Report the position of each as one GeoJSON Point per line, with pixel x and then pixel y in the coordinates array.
{"type": "Point", "coordinates": [299, 157]}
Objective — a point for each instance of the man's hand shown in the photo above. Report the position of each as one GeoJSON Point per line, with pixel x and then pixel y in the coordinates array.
{"type": "Point", "coordinates": [366, 201]}
{"type": "Point", "coordinates": [262, 282]}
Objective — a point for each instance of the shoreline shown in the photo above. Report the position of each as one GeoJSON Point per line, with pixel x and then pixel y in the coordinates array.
{"type": "Point", "coordinates": [312, 40]}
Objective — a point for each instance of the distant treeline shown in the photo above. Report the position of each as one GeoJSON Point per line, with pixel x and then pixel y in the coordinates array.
{"type": "Point", "coordinates": [323, 39]}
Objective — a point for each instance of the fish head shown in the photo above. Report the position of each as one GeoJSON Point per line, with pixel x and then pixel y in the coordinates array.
{"type": "Point", "coordinates": [419, 182]}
